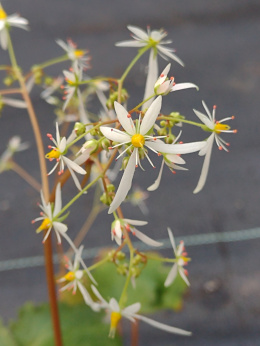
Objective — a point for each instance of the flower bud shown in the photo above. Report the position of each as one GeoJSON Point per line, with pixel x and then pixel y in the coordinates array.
{"type": "Point", "coordinates": [79, 128]}
{"type": "Point", "coordinates": [170, 139]}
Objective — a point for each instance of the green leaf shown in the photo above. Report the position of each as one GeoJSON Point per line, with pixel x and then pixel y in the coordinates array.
{"type": "Point", "coordinates": [80, 326]}
{"type": "Point", "coordinates": [6, 338]}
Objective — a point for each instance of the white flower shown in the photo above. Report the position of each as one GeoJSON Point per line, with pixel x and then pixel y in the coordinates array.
{"type": "Point", "coordinates": [216, 127]}
{"type": "Point", "coordinates": [6, 22]}
{"type": "Point", "coordinates": [77, 56]}
{"type": "Point", "coordinates": [130, 312]}
{"type": "Point", "coordinates": [164, 86]}
{"type": "Point", "coordinates": [181, 260]}
{"type": "Point", "coordinates": [12, 102]}
{"type": "Point", "coordinates": [129, 225]}
{"type": "Point", "coordinates": [137, 198]}
{"type": "Point", "coordinates": [14, 146]}
{"type": "Point", "coordinates": [49, 217]}
{"type": "Point", "coordinates": [47, 94]}
{"type": "Point", "coordinates": [74, 278]}
{"type": "Point", "coordinates": [137, 139]}
{"type": "Point", "coordinates": [72, 78]}
{"type": "Point", "coordinates": [155, 40]}
{"type": "Point", "coordinates": [58, 152]}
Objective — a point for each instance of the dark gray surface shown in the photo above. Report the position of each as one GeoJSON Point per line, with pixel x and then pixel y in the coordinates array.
{"type": "Point", "coordinates": [219, 43]}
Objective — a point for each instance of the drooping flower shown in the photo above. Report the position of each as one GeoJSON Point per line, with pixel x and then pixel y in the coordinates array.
{"type": "Point", "coordinates": [129, 225]}
{"type": "Point", "coordinates": [164, 86]}
{"type": "Point", "coordinates": [138, 140]}
{"type": "Point", "coordinates": [6, 22]}
{"type": "Point", "coordinates": [79, 57]}
{"type": "Point", "coordinates": [14, 146]}
{"type": "Point", "coordinates": [155, 41]}
{"type": "Point", "coordinates": [74, 279]}
{"type": "Point", "coordinates": [181, 260]}
{"type": "Point", "coordinates": [217, 128]}
{"type": "Point", "coordinates": [49, 217]}
{"type": "Point", "coordinates": [58, 152]}
{"type": "Point", "coordinates": [130, 312]}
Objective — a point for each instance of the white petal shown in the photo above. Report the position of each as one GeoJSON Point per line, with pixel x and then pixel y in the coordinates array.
{"type": "Point", "coordinates": [171, 239]}
{"type": "Point", "coordinates": [156, 184]}
{"type": "Point", "coordinates": [58, 203]}
{"type": "Point", "coordinates": [168, 53]}
{"type": "Point", "coordinates": [182, 86]}
{"type": "Point", "coordinates": [113, 304]}
{"type": "Point", "coordinates": [60, 227]}
{"type": "Point", "coordinates": [115, 136]}
{"type": "Point", "coordinates": [185, 148]}
{"type": "Point", "coordinates": [125, 183]}
{"type": "Point", "coordinates": [74, 166]}
{"type": "Point", "coordinates": [147, 240]}
{"type": "Point", "coordinates": [135, 222]}
{"type": "Point", "coordinates": [130, 44]}
{"type": "Point", "coordinates": [62, 44]}
{"type": "Point", "coordinates": [98, 295]}
{"type": "Point", "coordinates": [75, 179]}
{"type": "Point", "coordinates": [4, 38]}
{"type": "Point", "coordinates": [205, 167]}
{"type": "Point", "coordinates": [140, 33]}
{"type": "Point", "coordinates": [162, 326]}
{"type": "Point", "coordinates": [151, 115]}
{"type": "Point", "coordinates": [14, 103]}
{"type": "Point", "coordinates": [171, 276]}
{"type": "Point", "coordinates": [174, 158]}
{"type": "Point", "coordinates": [123, 119]}
{"type": "Point", "coordinates": [184, 277]}
{"type": "Point", "coordinates": [151, 78]}
{"type": "Point", "coordinates": [131, 309]}
{"type": "Point", "coordinates": [204, 119]}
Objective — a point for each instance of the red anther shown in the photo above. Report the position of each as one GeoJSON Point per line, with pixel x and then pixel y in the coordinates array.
{"type": "Point", "coordinates": [233, 117]}
{"type": "Point", "coordinates": [171, 78]}
{"type": "Point", "coordinates": [112, 129]}
{"type": "Point", "coordinates": [64, 98]}
{"type": "Point", "coordinates": [173, 172]}
{"type": "Point", "coordinates": [49, 146]}
{"type": "Point", "coordinates": [181, 242]}
{"type": "Point", "coordinates": [154, 167]}
{"type": "Point", "coordinates": [51, 159]}
{"type": "Point", "coordinates": [133, 233]}
{"type": "Point", "coordinates": [49, 135]}
{"type": "Point", "coordinates": [234, 131]}
{"type": "Point", "coordinates": [174, 84]}
{"type": "Point", "coordinates": [184, 253]}
{"type": "Point", "coordinates": [123, 236]}
{"type": "Point", "coordinates": [214, 107]}
{"type": "Point", "coordinates": [159, 154]}
{"type": "Point", "coordinates": [62, 86]}
{"type": "Point", "coordinates": [186, 272]}
{"type": "Point", "coordinates": [58, 159]}
{"type": "Point", "coordinates": [220, 148]}
{"type": "Point", "coordinates": [41, 213]}
{"type": "Point", "coordinates": [110, 148]}
{"type": "Point", "coordinates": [128, 115]}
{"type": "Point", "coordinates": [217, 122]}
{"type": "Point", "coordinates": [114, 232]}
{"type": "Point", "coordinates": [178, 155]}
{"type": "Point", "coordinates": [66, 78]}
{"type": "Point", "coordinates": [154, 138]}
{"type": "Point", "coordinates": [33, 221]}
{"type": "Point", "coordinates": [73, 292]}
{"type": "Point", "coordinates": [136, 166]}
{"type": "Point", "coordinates": [127, 227]}
{"type": "Point", "coordinates": [116, 159]}
{"type": "Point", "coordinates": [180, 142]}
{"type": "Point", "coordinates": [71, 69]}
{"type": "Point", "coordinates": [228, 144]}
{"type": "Point", "coordinates": [162, 75]}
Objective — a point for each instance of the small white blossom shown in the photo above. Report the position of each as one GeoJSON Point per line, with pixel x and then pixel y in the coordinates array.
{"type": "Point", "coordinates": [49, 217]}
{"type": "Point", "coordinates": [14, 146]}
{"type": "Point", "coordinates": [74, 277]}
{"type": "Point", "coordinates": [181, 260]}
{"type": "Point", "coordinates": [79, 57]}
{"type": "Point", "coordinates": [216, 127]}
{"type": "Point", "coordinates": [164, 86]}
{"type": "Point", "coordinates": [137, 139]}
{"type": "Point", "coordinates": [129, 225]}
{"type": "Point", "coordinates": [58, 152]}
{"type": "Point", "coordinates": [72, 78]}
{"type": "Point", "coordinates": [130, 312]}
{"type": "Point", "coordinates": [6, 22]}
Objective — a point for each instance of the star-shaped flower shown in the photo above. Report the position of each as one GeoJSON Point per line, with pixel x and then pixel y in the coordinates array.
{"type": "Point", "coordinates": [181, 260]}
{"type": "Point", "coordinates": [217, 128]}
{"type": "Point", "coordinates": [129, 225]}
{"type": "Point", "coordinates": [14, 146]}
{"type": "Point", "coordinates": [138, 139]}
{"type": "Point", "coordinates": [74, 277]}
{"type": "Point", "coordinates": [79, 57]}
{"type": "Point", "coordinates": [58, 152]}
{"type": "Point", "coordinates": [7, 21]}
{"type": "Point", "coordinates": [72, 77]}
{"type": "Point", "coordinates": [49, 217]}
{"type": "Point", "coordinates": [130, 312]}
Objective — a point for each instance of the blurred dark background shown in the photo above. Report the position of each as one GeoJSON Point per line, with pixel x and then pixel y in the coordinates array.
{"type": "Point", "coordinates": [219, 43]}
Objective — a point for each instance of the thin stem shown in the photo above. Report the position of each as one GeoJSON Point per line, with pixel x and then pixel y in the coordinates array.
{"type": "Point", "coordinates": [25, 175]}
{"type": "Point", "coordinates": [51, 62]}
{"type": "Point", "coordinates": [141, 103]}
{"type": "Point", "coordinates": [164, 117]}
{"type": "Point", "coordinates": [10, 91]}
{"type": "Point", "coordinates": [99, 263]}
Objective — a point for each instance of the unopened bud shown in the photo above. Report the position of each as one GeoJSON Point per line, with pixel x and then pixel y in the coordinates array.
{"type": "Point", "coordinates": [79, 128]}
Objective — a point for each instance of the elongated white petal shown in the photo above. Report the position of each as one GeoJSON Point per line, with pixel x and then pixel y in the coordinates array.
{"type": "Point", "coordinates": [3, 37]}
{"type": "Point", "coordinates": [14, 103]}
{"type": "Point", "coordinates": [99, 296]}
{"type": "Point", "coordinates": [140, 33]}
{"type": "Point", "coordinates": [135, 222]}
{"type": "Point", "coordinates": [169, 54]}
{"type": "Point", "coordinates": [162, 326]}
{"type": "Point", "coordinates": [125, 183]}
{"type": "Point", "coordinates": [62, 44]}
{"type": "Point", "coordinates": [60, 227]}
{"type": "Point", "coordinates": [181, 86]}
{"type": "Point", "coordinates": [131, 309]}
{"type": "Point", "coordinates": [174, 158]}
{"type": "Point", "coordinates": [130, 43]}
{"type": "Point", "coordinates": [113, 304]}
{"type": "Point", "coordinates": [58, 203]}
{"type": "Point", "coordinates": [156, 184]}
{"type": "Point", "coordinates": [151, 79]}
{"type": "Point", "coordinates": [204, 119]}
{"type": "Point", "coordinates": [171, 239]}
{"type": "Point", "coordinates": [115, 136]}
{"type": "Point", "coordinates": [151, 115]}
{"type": "Point", "coordinates": [75, 178]}
{"type": "Point", "coordinates": [74, 166]}
{"type": "Point", "coordinates": [147, 240]}
{"type": "Point", "coordinates": [205, 167]}
{"type": "Point", "coordinates": [185, 148]}
{"type": "Point", "coordinates": [123, 118]}
{"type": "Point", "coordinates": [171, 276]}
{"type": "Point", "coordinates": [207, 110]}
{"type": "Point", "coordinates": [184, 277]}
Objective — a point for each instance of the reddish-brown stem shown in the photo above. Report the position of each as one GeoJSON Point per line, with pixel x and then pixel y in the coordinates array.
{"type": "Point", "coordinates": [134, 333]}
{"type": "Point", "coordinates": [10, 91]}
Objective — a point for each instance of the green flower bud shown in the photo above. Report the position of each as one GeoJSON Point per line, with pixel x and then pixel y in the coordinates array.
{"type": "Point", "coordinates": [110, 188]}
{"type": "Point", "coordinates": [120, 255]}
{"type": "Point", "coordinates": [79, 128]}
{"type": "Point", "coordinates": [170, 139]}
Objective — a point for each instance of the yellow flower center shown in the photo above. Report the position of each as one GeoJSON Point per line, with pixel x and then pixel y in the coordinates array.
{"type": "Point", "coordinates": [3, 15]}
{"type": "Point", "coordinates": [218, 128]}
{"type": "Point", "coordinates": [70, 276]}
{"type": "Point", "coordinates": [138, 140]}
{"type": "Point", "coordinates": [79, 53]}
{"type": "Point", "coordinates": [44, 225]}
{"type": "Point", "coordinates": [53, 154]}
{"type": "Point", "coordinates": [115, 318]}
